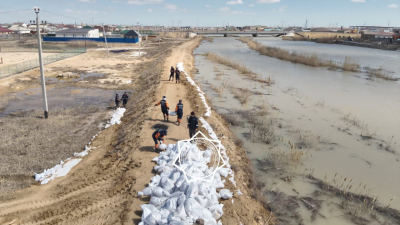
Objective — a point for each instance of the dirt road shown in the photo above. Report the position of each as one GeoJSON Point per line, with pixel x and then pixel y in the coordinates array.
{"type": "Point", "coordinates": [103, 188]}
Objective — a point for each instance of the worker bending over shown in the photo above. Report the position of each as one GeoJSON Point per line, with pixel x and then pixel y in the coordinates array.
{"type": "Point", "coordinates": [164, 108]}
{"type": "Point", "coordinates": [158, 136]}
{"type": "Point", "coordinates": [179, 112]}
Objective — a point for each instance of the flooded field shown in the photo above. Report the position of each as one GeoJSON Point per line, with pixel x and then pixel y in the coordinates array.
{"type": "Point", "coordinates": [322, 140]}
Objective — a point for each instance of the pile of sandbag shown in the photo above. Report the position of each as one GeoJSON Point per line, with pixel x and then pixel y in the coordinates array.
{"type": "Point", "coordinates": [176, 201]}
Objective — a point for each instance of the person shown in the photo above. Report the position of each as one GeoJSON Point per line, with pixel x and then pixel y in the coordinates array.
{"type": "Point", "coordinates": [164, 108]}
{"type": "Point", "coordinates": [158, 136]}
{"type": "Point", "coordinates": [177, 74]}
{"type": "Point", "coordinates": [179, 112]}
{"type": "Point", "coordinates": [125, 98]}
{"type": "Point", "coordinates": [116, 101]}
{"type": "Point", "coordinates": [172, 73]}
{"type": "Point", "coordinates": [193, 124]}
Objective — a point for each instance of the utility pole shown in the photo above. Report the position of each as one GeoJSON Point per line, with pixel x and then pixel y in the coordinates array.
{"type": "Point", "coordinates": [105, 38]}
{"type": "Point", "coordinates": [45, 106]}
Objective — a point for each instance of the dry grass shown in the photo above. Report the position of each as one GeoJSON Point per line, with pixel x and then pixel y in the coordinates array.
{"type": "Point", "coordinates": [240, 67]}
{"type": "Point", "coordinates": [305, 59]}
{"type": "Point", "coordinates": [232, 119]}
{"type": "Point", "coordinates": [209, 39]}
{"type": "Point", "coordinates": [29, 144]}
{"type": "Point", "coordinates": [381, 73]}
{"type": "Point", "coordinates": [242, 94]}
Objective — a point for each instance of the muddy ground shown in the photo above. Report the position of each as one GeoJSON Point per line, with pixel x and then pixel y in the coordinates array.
{"type": "Point", "coordinates": [103, 188]}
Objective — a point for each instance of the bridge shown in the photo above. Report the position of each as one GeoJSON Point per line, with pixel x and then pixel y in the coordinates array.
{"type": "Point", "coordinates": [241, 33]}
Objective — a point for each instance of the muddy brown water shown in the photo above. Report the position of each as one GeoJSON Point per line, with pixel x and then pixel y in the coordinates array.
{"type": "Point", "coordinates": [327, 114]}
{"type": "Point", "coordinates": [31, 99]}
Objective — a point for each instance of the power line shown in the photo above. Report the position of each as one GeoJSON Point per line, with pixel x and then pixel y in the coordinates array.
{"type": "Point", "coordinates": [67, 16]}
{"type": "Point", "coordinates": [15, 11]}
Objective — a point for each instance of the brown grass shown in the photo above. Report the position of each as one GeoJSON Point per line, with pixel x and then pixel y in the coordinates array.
{"type": "Point", "coordinates": [240, 67]}
{"type": "Point", "coordinates": [381, 73]}
{"type": "Point", "coordinates": [29, 144]}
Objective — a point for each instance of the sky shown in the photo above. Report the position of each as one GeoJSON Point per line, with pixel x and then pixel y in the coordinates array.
{"type": "Point", "coordinates": [318, 13]}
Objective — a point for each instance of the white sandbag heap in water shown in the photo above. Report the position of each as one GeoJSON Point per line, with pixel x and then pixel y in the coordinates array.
{"type": "Point", "coordinates": [175, 201]}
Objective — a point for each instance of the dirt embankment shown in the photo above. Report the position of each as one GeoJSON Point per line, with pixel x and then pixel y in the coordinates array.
{"type": "Point", "coordinates": [103, 188]}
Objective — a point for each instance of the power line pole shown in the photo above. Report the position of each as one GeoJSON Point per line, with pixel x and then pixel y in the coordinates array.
{"type": "Point", "coordinates": [45, 106]}
{"type": "Point", "coordinates": [105, 38]}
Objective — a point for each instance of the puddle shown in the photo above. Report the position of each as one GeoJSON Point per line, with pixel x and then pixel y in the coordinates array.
{"type": "Point", "coordinates": [73, 77]}
{"type": "Point", "coordinates": [62, 97]}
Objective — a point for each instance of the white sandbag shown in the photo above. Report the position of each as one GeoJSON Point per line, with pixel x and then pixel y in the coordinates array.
{"type": "Point", "coordinates": [175, 176]}
{"type": "Point", "coordinates": [193, 208]}
{"type": "Point", "coordinates": [216, 211]}
{"type": "Point", "coordinates": [162, 147]}
{"type": "Point", "coordinates": [225, 194]}
{"type": "Point", "coordinates": [153, 218]}
{"type": "Point", "coordinates": [238, 192]}
{"type": "Point", "coordinates": [173, 113]}
{"type": "Point", "coordinates": [171, 204]}
{"type": "Point", "coordinates": [192, 191]}
{"type": "Point", "coordinates": [147, 210]}
{"type": "Point", "coordinates": [224, 172]}
{"type": "Point", "coordinates": [156, 201]}
{"type": "Point", "coordinates": [217, 181]}
{"type": "Point", "coordinates": [147, 191]}
{"type": "Point", "coordinates": [158, 192]}
{"type": "Point", "coordinates": [167, 184]}
{"type": "Point", "coordinates": [201, 200]}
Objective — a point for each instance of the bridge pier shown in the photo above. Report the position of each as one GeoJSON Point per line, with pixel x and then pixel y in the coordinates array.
{"type": "Point", "coordinates": [225, 35]}
{"type": "Point", "coordinates": [255, 35]}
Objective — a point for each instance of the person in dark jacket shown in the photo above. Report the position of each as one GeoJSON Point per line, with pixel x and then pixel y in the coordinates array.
{"type": "Point", "coordinates": [193, 124]}
{"type": "Point", "coordinates": [179, 112]}
{"type": "Point", "coordinates": [177, 76]}
{"type": "Point", "coordinates": [125, 98]}
{"type": "Point", "coordinates": [172, 73]}
{"type": "Point", "coordinates": [158, 136]}
{"type": "Point", "coordinates": [116, 101]}
{"type": "Point", "coordinates": [164, 108]}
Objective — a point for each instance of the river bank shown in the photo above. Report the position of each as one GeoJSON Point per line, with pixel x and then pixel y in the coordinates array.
{"type": "Point", "coordinates": [312, 141]}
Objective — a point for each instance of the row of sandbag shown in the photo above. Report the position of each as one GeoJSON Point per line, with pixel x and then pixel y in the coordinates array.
{"type": "Point", "coordinates": [174, 200]}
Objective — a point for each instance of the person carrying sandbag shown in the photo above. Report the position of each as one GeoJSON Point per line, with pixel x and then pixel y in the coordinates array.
{"type": "Point", "coordinates": [164, 108]}
{"type": "Point", "coordinates": [179, 112]}
{"type": "Point", "coordinates": [158, 136]}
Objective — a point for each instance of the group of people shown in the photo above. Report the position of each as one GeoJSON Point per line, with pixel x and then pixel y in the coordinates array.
{"type": "Point", "coordinates": [177, 75]}
{"type": "Point", "coordinates": [125, 98]}
{"type": "Point", "coordinates": [193, 123]}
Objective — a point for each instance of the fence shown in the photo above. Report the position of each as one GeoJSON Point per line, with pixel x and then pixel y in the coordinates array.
{"type": "Point", "coordinates": [30, 64]}
{"type": "Point", "coordinates": [109, 40]}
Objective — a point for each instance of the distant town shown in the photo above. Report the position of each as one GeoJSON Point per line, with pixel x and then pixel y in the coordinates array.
{"type": "Point", "coordinates": [372, 33]}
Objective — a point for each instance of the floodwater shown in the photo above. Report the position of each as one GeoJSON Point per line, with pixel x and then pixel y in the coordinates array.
{"type": "Point", "coordinates": [327, 114]}
{"type": "Point", "coordinates": [60, 97]}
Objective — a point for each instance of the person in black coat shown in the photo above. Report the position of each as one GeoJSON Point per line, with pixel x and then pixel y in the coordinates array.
{"type": "Point", "coordinates": [193, 124]}
{"type": "Point", "coordinates": [172, 73]}
{"type": "Point", "coordinates": [116, 101]}
{"type": "Point", "coordinates": [158, 136]}
{"type": "Point", "coordinates": [179, 112]}
{"type": "Point", "coordinates": [125, 98]}
{"type": "Point", "coordinates": [177, 76]}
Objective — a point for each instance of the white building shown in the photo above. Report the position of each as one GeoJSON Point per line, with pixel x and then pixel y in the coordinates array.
{"type": "Point", "coordinates": [78, 33]}
{"type": "Point", "coordinates": [19, 29]}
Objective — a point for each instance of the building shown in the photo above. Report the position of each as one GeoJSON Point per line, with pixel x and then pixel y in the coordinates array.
{"type": "Point", "coordinates": [5, 31]}
{"type": "Point", "coordinates": [133, 34]}
{"type": "Point", "coordinates": [78, 33]}
{"type": "Point", "coordinates": [381, 37]}
{"type": "Point", "coordinates": [19, 29]}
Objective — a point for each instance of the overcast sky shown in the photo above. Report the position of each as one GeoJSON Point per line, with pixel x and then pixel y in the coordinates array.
{"type": "Point", "coordinates": [208, 12]}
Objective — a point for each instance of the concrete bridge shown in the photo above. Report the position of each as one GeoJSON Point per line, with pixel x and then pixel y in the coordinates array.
{"type": "Point", "coordinates": [236, 33]}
